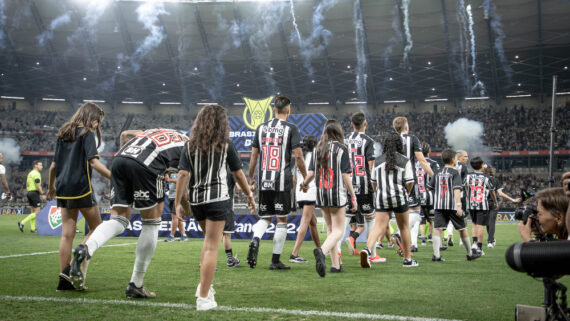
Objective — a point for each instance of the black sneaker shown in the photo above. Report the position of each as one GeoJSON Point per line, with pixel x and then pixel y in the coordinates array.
{"type": "Point", "coordinates": [335, 270]}
{"type": "Point", "coordinates": [279, 266]}
{"type": "Point", "coordinates": [233, 262]}
{"type": "Point", "coordinates": [437, 259]}
{"type": "Point", "coordinates": [252, 253]}
{"type": "Point", "coordinates": [79, 262]}
{"type": "Point", "coordinates": [410, 263]}
{"type": "Point", "coordinates": [443, 247]}
{"type": "Point", "coordinates": [450, 242]}
{"type": "Point", "coordinates": [474, 255]}
{"type": "Point", "coordinates": [320, 265]}
{"type": "Point", "coordinates": [414, 249]}
{"type": "Point", "coordinates": [21, 227]}
{"type": "Point", "coordinates": [297, 259]}
{"type": "Point", "coordinates": [365, 258]}
{"type": "Point", "coordinates": [133, 292]}
{"type": "Point", "coordinates": [64, 284]}
{"type": "Point", "coordinates": [33, 231]}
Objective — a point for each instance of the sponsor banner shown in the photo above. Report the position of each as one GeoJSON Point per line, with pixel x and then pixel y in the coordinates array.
{"type": "Point", "coordinates": [13, 210]}
{"type": "Point", "coordinates": [243, 224]}
{"type": "Point", "coordinates": [506, 216]}
{"type": "Point", "coordinates": [49, 221]}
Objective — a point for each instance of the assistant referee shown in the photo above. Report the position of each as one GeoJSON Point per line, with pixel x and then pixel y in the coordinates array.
{"type": "Point", "coordinates": [35, 192]}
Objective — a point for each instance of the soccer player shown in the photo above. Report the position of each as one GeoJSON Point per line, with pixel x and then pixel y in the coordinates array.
{"type": "Point", "coordinates": [137, 180]}
{"type": "Point", "coordinates": [361, 151]}
{"type": "Point", "coordinates": [203, 178]}
{"type": "Point", "coordinates": [461, 167]}
{"type": "Point", "coordinates": [413, 151]}
{"type": "Point", "coordinates": [446, 186]}
{"type": "Point", "coordinates": [70, 180]}
{"type": "Point", "coordinates": [230, 226]}
{"type": "Point", "coordinates": [177, 222]}
{"type": "Point", "coordinates": [490, 171]}
{"type": "Point", "coordinates": [478, 187]}
{"type": "Point", "coordinates": [331, 169]}
{"type": "Point", "coordinates": [3, 178]}
{"type": "Point", "coordinates": [35, 195]}
{"type": "Point", "coordinates": [274, 143]}
{"type": "Point", "coordinates": [307, 201]}
{"type": "Point", "coordinates": [392, 178]}
{"type": "Point", "coordinates": [426, 196]}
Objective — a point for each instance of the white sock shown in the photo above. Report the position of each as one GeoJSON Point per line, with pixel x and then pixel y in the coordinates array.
{"type": "Point", "coordinates": [450, 230]}
{"type": "Point", "coordinates": [279, 238]}
{"type": "Point", "coordinates": [436, 241]}
{"type": "Point", "coordinates": [414, 226]}
{"type": "Point", "coordinates": [106, 231]}
{"type": "Point", "coordinates": [467, 244]}
{"type": "Point", "coordinates": [259, 228]}
{"type": "Point", "coordinates": [345, 234]}
{"type": "Point", "coordinates": [145, 249]}
{"type": "Point", "coordinates": [369, 224]}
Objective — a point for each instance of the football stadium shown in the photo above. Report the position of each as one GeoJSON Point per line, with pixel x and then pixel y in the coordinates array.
{"type": "Point", "coordinates": [284, 159]}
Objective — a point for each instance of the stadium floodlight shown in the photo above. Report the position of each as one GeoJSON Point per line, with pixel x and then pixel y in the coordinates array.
{"type": "Point", "coordinates": [435, 99]}
{"type": "Point", "coordinates": [53, 99]}
{"type": "Point", "coordinates": [205, 104]}
{"type": "Point", "coordinates": [477, 98]}
{"type": "Point", "coordinates": [12, 97]}
{"type": "Point", "coordinates": [355, 102]}
{"type": "Point", "coordinates": [518, 96]}
{"type": "Point", "coordinates": [169, 103]}
{"type": "Point", "coordinates": [394, 101]}
{"type": "Point", "coordinates": [563, 93]}
{"type": "Point", "coordinates": [93, 101]}
{"type": "Point", "coordinates": [132, 102]}
{"type": "Point", "coordinates": [239, 104]}
{"type": "Point", "coordinates": [319, 103]}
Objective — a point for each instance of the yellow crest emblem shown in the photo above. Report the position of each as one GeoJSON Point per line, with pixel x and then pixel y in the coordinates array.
{"type": "Point", "coordinates": [257, 110]}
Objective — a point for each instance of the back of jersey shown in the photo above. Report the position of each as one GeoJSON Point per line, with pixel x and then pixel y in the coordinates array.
{"type": "Point", "coordinates": [444, 184]}
{"type": "Point", "coordinates": [361, 151]}
{"type": "Point", "coordinates": [276, 140]}
{"type": "Point", "coordinates": [411, 146]}
{"type": "Point", "coordinates": [331, 191]}
{"type": "Point", "coordinates": [478, 187]}
{"type": "Point", "coordinates": [156, 149]}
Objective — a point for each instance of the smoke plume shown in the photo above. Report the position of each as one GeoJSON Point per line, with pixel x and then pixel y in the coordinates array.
{"type": "Point", "coordinates": [47, 35]}
{"type": "Point", "coordinates": [359, 39]}
{"type": "Point", "coordinates": [465, 134]}
{"type": "Point", "coordinates": [409, 42]}
{"type": "Point", "coordinates": [490, 11]}
{"type": "Point", "coordinates": [2, 24]}
{"type": "Point", "coordinates": [10, 151]}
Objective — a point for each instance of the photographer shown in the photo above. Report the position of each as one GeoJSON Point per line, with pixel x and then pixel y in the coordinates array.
{"type": "Point", "coordinates": [551, 215]}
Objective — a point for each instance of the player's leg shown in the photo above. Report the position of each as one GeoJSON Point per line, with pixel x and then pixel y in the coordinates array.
{"type": "Point", "coordinates": [282, 208]}
{"type": "Point", "coordinates": [173, 223]}
{"type": "Point", "coordinates": [210, 254]}
{"type": "Point", "coordinates": [229, 229]}
{"type": "Point", "coordinates": [68, 221]}
{"type": "Point", "coordinates": [440, 222]}
{"type": "Point", "coordinates": [402, 219]}
{"type": "Point", "coordinates": [306, 219]}
{"type": "Point", "coordinates": [415, 219]}
{"type": "Point", "coordinates": [337, 221]}
{"type": "Point", "coordinates": [378, 229]}
{"type": "Point", "coordinates": [313, 229]}
{"type": "Point", "coordinates": [182, 229]}
{"type": "Point", "coordinates": [266, 213]}
{"type": "Point", "coordinates": [491, 228]}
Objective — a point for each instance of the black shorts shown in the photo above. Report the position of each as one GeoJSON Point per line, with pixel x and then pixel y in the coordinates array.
{"type": "Point", "coordinates": [357, 218]}
{"type": "Point", "coordinates": [365, 205]}
{"type": "Point", "coordinates": [133, 184]}
{"type": "Point", "coordinates": [480, 217]}
{"type": "Point", "coordinates": [215, 211]}
{"type": "Point", "coordinates": [426, 213]}
{"type": "Point", "coordinates": [414, 197]}
{"type": "Point", "coordinates": [302, 204]}
{"type": "Point", "coordinates": [398, 209]}
{"type": "Point", "coordinates": [273, 203]}
{"type": "Point", "coordinates": [84, 202]}
{"type": "Point", "coordinates": [34, 199]}
{"type": "Point", "coordinates": [442, 218]}
{"type": "Point", "coordinates": [230, 226]}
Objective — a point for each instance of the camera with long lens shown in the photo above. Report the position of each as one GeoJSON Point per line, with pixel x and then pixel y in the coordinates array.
{"type": "Point", "coordinates": [528, 211]}
{"type": "Point", "coordinates": [525, 212]}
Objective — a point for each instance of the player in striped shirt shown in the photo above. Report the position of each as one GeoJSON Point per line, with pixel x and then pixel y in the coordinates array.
{"type": "Point", "coordinates": [446, 186]}
{"type": "Point", "coordinates": [331, 170]}
{"type": "Point", "coordinates": [478, 187]}
{"type": "Point", "coordinates": [426, 196]}
{"type": "Point", "coordinates": [392, 178]}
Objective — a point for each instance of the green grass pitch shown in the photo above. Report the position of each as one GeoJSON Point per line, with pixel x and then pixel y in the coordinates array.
{"type": "Point", "coordinates": [485, 289]}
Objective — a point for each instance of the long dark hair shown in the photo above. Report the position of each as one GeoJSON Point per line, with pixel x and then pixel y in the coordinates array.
{"type": "Point", "coordinates": [332, 132]}
{"type": "Point", "coordinates": [392, 145]}
{"type": "Point", "coordinates": [84, 116]}
{"type": "Point", "coordinates": [211, 128]}
{"type": "Point", "coordinates": [309, 143]}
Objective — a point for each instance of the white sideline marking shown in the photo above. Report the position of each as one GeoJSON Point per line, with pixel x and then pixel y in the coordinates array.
{"type": "Point", "coordinates": [344, 315]}
{"type": "Point", "coordinates": [52, 252]}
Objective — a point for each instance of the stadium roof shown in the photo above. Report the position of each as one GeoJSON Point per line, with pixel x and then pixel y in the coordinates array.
{"type": "Point", "coordinates": [204, 51]}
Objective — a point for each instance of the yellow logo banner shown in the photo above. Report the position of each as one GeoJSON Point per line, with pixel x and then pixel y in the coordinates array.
{"type": "Point", "coordinates": [258, 112]}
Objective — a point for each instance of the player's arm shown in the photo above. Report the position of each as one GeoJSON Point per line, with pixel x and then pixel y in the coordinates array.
{"type": "Point", "coordinates": [502, 194]}
{"type": "Point", "coordinates": [409, 176]}
{"type": "Point", "coordinates": [348, 183]}
{"type": "Point", "coordinates": [457, 194]}
{"type": "Point", "coordinates": [51, 180]}
{"type": "Point", "coordinates": [494, 196]}
{"type": "Point", "coordinates": [298, 154]}
{"type": "Point", "coordinates": [100, 168]}
{"type": "Point", "coordinates": [241, 182]}
{"type": "Point", "coordinates": [181, 202]}
{"type": "Point", "coordinates": [128, 135]}
{"type": "Point", "coordinates": [252, 164]}
{"type": "Point", "coordinates": [39, 186]}
{"type": "Point", "coordinates": [423, 163]}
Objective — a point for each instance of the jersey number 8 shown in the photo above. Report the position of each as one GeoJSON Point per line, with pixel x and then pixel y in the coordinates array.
{"type": "Point", "coordinates": [272, 163]}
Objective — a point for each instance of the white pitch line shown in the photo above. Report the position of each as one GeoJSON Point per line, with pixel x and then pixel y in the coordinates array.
{"type": "Point", "coordinates": [343, 315]}
{"type": "Point", "coordinates": [53, 252]}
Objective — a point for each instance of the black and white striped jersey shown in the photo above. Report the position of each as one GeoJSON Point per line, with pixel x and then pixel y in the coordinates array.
{"type": "Point", "coordinates": [276, 140]}
{"type": "Point", "coordinates": [422, 179]}
{"type": "Point", "coordinates": [411, 146]}
{"type": "Point", "coordinates": [361, 151]}
{"type": "Point", "coordinates": [156, 149]}
{"type": "Point", "coordinates": [443, 184]}
{"type": "Point", "coordinates": [331, 191]}
{"type": "Point", "coordinates": [477, 188]}
{"type": "Point", "coordinates": [209, 173]}
{"type": "Point", "coordinates": [497, 186]}
{"type": "Point", "coordinates": [391, 189]}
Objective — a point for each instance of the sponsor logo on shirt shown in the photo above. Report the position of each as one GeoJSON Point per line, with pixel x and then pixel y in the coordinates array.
{"type": "Point", "coordinates": [278, 207]}
{"type": "Point", "coordinates": [357, 142]}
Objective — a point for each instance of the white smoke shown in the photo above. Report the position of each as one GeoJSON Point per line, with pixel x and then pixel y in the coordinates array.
{"type": "Point", "coordinates": [295, 21]}
{"type": "Point", "coordinates": [55, 23]}
{"type": "Point", "coordinates": [10, 151]}
{"type": "Point", "coordinates": [409, 42]}
{"type": "Point", "coordinates": [359, 39]}
{"type": "Point", "coordinates": [478, 83]}
{"type": "Point", "coordinates": [490, 11]}
{"type": "Point", "coordinates": [148, 14]}
{"type": "Point", "coordinates": [2, 23]}
{"type": "Point", "coordinates": [465, 134]}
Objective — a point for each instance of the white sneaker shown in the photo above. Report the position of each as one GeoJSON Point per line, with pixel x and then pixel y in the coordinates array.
{"type": "Point", "coordinates": [211, 292]}
{"type": "Point", "coordinates": [204, 304]}
{"type": "Point", "coordinates": [474, 246]}
{"type": "Point", "coordinates": [490, 245]}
